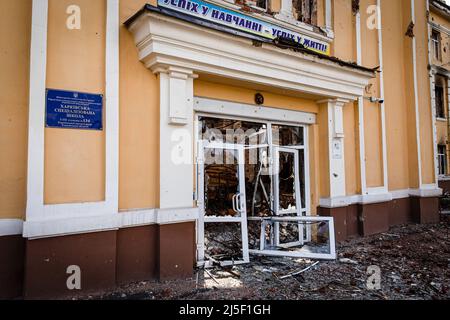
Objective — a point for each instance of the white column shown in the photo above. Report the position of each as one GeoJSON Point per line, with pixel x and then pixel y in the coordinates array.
{"type": "Point", "coordinates": [286, 13]}
{"type": "Point", "coordinates": [38, 71]}
{"type": "Point", "coordinates": [176, 137]}
{"type": "Point", "coordinates": [336, 153]}
{"type": "Point", "coordinates": [112, 107]}
{"type": "Point", "coordinates": [328, 16]}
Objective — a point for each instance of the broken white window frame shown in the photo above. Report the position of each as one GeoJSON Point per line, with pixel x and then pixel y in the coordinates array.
{"type": "Point", "coordinates": [306, 211]}
{"type": "Point", "coordinates": [301, 254]}
{"type": "Point", "coordinates": [298, 201]}
{"type": "Point", "coordinates": [238, 202]}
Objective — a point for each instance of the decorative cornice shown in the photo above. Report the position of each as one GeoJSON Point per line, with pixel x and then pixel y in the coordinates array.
{"type": "Point", "coordinates": [165, 42]}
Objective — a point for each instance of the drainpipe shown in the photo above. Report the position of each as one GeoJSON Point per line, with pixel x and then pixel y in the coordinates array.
{"type": "Point", "coordinates": [416, 95]}
{"type": "Point", "coordinates": [362, 150]}
{"type": "Point", "coordinates": [382, 104]}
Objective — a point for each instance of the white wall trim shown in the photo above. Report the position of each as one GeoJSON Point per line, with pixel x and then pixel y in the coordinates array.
{"type": "Point", "coordinates": [382, 104]}
{"type": "Point", "coordinates": [11, 227]}
{"type": "Point", "coordinates": [139, 217]}
{"type": "Point", "coordinates": [96, 223]}
{"type": "Point", "coordinates": [362, 145]}
{"type": "Point", "coordinates": [428, 192]}
{"type": "Point", "coordinates": [171, 216]}
{"type": "Point", "coordinates": [416, 96]}
{"type": "Point", "coordinates": [400, 194]}
{"type": "Point", "coordinates": [36, 209]}
{"type": "Point", "coordinates": [433, 100]}
{"type": "Point", "coordinates": [176, 121]}
{"type": "Point", "coordinates": [433, 122]}
{"type": "Point", "coordinates": [329, 18]}
{"type": "Point", "coordinates": [36, 117]}
{"type": "Point", "coordinates": [112, 106]}
{"type": "Point", "coordinates": [226, 108]}
{"type": "Point", "coordinates": [44, 228]}
{"type": "Point", "coordinates": [336, 174]}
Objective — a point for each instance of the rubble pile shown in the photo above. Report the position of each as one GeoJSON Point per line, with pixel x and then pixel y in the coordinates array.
{"type": "Point", "coordinates": [414, 263]}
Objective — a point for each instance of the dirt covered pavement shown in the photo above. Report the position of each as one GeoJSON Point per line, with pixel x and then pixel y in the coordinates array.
{"type": "Point", "coordinates": [414, 262]}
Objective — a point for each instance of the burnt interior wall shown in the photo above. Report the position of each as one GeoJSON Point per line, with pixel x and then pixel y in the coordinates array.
{"type": "Point", "coordinates": [444, 185]}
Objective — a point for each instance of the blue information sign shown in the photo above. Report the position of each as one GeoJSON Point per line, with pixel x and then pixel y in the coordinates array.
{"type": "Point", "coordinates": [74, 110]}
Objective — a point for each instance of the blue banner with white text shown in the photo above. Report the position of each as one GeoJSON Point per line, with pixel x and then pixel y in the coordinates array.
{"type": "Point", "coordinates": [242, 22]}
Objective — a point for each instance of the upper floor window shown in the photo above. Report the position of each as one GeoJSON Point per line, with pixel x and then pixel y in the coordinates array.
{"type": "Point", "coordinates": [306, 11]}
{"type": "Point", "coordinates": [439, 96]}
{"type": "Point", "coordinates": [442, 159]}
{"type": "Point", "coordinates": [436, 44]}
{"type": "Point", "coordinates": [261, 4]}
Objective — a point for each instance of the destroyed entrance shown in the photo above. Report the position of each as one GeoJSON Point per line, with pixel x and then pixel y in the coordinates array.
{"type": "Point", "coordinates": [253, 191]}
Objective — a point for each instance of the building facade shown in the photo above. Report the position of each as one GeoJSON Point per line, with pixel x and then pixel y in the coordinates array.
{"type": "Point", "coordinates": [439, 25]}
{"type": "Point", "coordinates": [105, 105]}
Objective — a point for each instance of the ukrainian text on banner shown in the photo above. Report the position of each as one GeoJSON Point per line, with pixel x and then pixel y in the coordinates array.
{"type": "Point", "coordinates": [238, 21]}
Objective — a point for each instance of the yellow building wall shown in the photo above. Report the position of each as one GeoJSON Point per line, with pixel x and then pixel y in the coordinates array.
{"type": "Point", "coordinates": [207, 89]}
{"type": "Point", "coordinates": [275, 5]}
{"type": "Point", "coordinates": [344, 44]}
{"type": "Point", "coordinates": [399, 95]}
{"type": "Point", "coordinates": [372, 111]}
{"type": "Point", "coordinates": [15, 34]}
{"type": "Point", "coordinates": [425, 110]}
{"type": "Point", "coordinates": [139, 122]}
{"type": "Point", "coordinates": [75, 159]}
{"type": "Point", "coordinates": [344, 47]}
{"type": "Point", "coordinates": [76, 62]}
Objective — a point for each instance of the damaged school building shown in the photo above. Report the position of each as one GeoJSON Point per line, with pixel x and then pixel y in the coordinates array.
{"type": "Point", "coordinates": [140, 139]}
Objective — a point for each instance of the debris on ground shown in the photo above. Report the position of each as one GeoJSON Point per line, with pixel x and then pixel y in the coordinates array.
{"type": "Point", "coordinates": [414, 262]}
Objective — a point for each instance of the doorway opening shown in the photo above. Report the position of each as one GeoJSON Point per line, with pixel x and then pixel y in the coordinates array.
{"type": "Point", "coordinates": [253, 190]}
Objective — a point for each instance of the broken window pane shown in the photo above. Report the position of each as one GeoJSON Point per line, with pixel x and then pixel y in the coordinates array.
{"type": "Point", "coordinates": [287, 136]}
{"type": "Point", "coordinates": [232, 131]}
{"type": "Point", "coordinates": [258, 182]}
{"type": "Point", "coordinates": [287, 193]}
{"type": "Point", "coordinates": [320, 245]}
{"type": "Point", "coordinates": [302, 179]}
{"type": "Point", "coordinates": [221, 182]}
{"type": "Point", "coordinates": [223, 241]}
{"type": "Point", "coordinates": [306, 11]}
